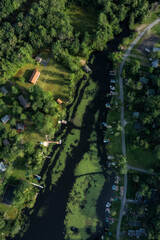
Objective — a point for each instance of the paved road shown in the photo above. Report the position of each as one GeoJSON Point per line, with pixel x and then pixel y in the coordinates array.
{"type": "Point", "coordinates": [140, 170]}
{"type": "Point", "coordinates": [127, 53]}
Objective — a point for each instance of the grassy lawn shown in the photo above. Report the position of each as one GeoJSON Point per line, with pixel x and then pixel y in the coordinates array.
{"type": "Point", "coordinates": [8, 212]}
{"type": "Point", "coordinates": [54, 78]}
{"type": "Point", "coordinates": [83, 19]}
{"type": "Point", "coordinates": [81, 208]}
{"type": "Point", "coordinates": [156, 30]}
{"type": "Point", "coordinates": [138, 157]}
{"type": "Point", "coordinates": [115, 146]}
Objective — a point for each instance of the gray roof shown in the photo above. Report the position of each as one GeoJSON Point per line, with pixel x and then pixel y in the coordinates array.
{"type": "Point", "coordinates": [156, 49]}
{"type": "Point", "coordinates": [2, 167]}
{"type": "Point", "coordinates": [151, 92]}
{"type": "Point", "coordinates": [134, 223]}
{"type": "Point", "coordinates": [136, 114]}
{"type": "Point", "coordinates": [5, 119]}
{"type": "Point", "coordinates": [20, 126]}
{"type": "Point", "coordinates": [131, 233]}
{"type": "Point", "coordinates": [155, 63]}
{"type": "Point", "coordinates": [5, 142]}
{"type": "Point", "coordinates": [3, 90]}
{"type": "Point", "coordinates": [23, 101]}
{"type": "Point", "coordinates": [140, 232]}
{"type": "Point", "coordinates": [86, 69]}
{"type": "Point", "coordinates": [143, 80]}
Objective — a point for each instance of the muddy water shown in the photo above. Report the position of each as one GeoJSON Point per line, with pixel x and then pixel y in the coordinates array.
{"type": "Point", "coordinates": [51, 225]}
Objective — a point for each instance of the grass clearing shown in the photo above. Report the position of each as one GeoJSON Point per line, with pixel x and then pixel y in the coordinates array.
{"type": "Point", "coordinates": [137, 157]}
{"type": "Point", "coordinates": [83, 19]}
{"type": "Point", "coordinates": [9, 212]}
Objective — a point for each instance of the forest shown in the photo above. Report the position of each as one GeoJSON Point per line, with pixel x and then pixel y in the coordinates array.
{"type": "Point", "coordinates": [26, 28]}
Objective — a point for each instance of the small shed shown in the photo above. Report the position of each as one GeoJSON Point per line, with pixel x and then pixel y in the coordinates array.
{"type": "Point", "coordinates": [9, 195]}
{"type": "Point", "coordinates": [155, 63]}
{"type": "Point", "coordinates": [156, 49]}
{"type": "Point", "coordinates": [86, 69]}
{"type": "Point", "coordinates": [2, 167]}
{"type": "Point", "coordinates": [20, 126]}
{"type": "Point", "coordinates": [6, 142]}
{"type": "Point", "coordinates": [151, 92]}
{"type": "Point", "coordinates": [24, 102]}
{"type": "Point", "coordinates": [137, 125]}
{"type": "Point", "coordinates": [5, 119]}
{"type": "Point", "coordinates": [136, 114]}
{"type": "Point", "coordinates": [144, 80]}
{"type": "Point", "coordinates": [59, 101]}
{"type": "Point", "coordinates": [38, 59]}
{"type": "Point", "coordinates": [3, 90]}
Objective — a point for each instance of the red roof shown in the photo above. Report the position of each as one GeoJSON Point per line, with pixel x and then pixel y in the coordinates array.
{"type": "Point", "coordinates": [59, 101]}
{"type": "Point", "coordinates": [34, 77]}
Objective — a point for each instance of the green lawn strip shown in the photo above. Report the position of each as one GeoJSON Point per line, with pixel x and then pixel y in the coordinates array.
{"type": "Point", "coordinates": [88, 96]}
{"type": "Point", "coordinates": [115, 145]}
{"type": "Point", "coordinates": [137, 157]}
{"type": "Point", "coordinates": [54, 78]}
{"type": "Point", "coordinates": [81, 207]}
{"type": "Point", "coordinates": [71, 141]}
{"type": "Point", "coordinates": [156, 30]}
{"type": "Point", "coordinates": [83, 19]}
{"type": "Point", "coordinates": [9, 212]}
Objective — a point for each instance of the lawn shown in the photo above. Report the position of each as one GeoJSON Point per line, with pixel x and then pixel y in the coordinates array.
{"type": "Point", "coordinates": [9, 212]}
{"type": "Point", "coordinates": [83, 19]}
{"type": "Point", "coordinates": [156, 30]}
{"type": "Point", "coordinates": [137, 157]}
{"type": "Point", "coordinates": [54, 78]}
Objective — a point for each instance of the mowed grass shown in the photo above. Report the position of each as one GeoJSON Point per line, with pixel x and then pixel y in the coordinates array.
{"type": "Point", "coordinates": [137, 157]}
{"type": "Point", "coordinates": [9, 212]}
{"type": "Point", "coordinates": [81, 208]}
{"type": "Point", "coordinates": [156, 30]}
{"type": "Point", "coordinates": [83, 19]}
{"type": "Point", "coordinates": [54, 78]}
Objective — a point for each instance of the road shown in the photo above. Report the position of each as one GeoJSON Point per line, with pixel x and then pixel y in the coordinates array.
{"type": "Point", "coordinates": [140, 170]}
{"type": "Point", "coordinates": [127, 53]}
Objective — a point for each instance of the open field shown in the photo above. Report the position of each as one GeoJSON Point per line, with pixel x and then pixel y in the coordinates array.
{"type": "Point", "coordinates": [83, 19]}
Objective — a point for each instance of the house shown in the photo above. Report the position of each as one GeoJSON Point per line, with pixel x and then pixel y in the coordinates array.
{"type": "Point", "coordinates": [59, 101]}
{"type": "Point", "coordinates": [5, 119]}
{"type": "Point", "coordinates": [137, 125]}
{"type": "Point", "coordinates": [38, 59]}
{"type": "Point", "coordinates": [144, 80]}
{"type": "Point", "coordinates": [131, 233]}
{"type": "Point", "coordinates": [20, 127]}
{"type": "Point", "coordinates": [2, 167]}
{"type": "Point", "coordinates": [151, 92]}
{"type": "Point", "coordinates": [140, 232]}
{"type": "Point", "coordinates": [156, 49]}
{"type": "Point", "coordinates": [136, 114]}
{"type": "Point", "coordinates": [134, 223]}
{"type": "Point", "coordinates": [6, 142]}
{"type": "Point", "coordinates": [23, 102]}
{"type": "Point", "coordinates": [3, 90]}
{"type": "Point", "coordinates": [9, 195]}
{"type": "Point", "coordinates": [155, 63]}
{"type": "Point", "coordinates": [86, 69]}
{"type": "Point", "coordinates": [34, 77]}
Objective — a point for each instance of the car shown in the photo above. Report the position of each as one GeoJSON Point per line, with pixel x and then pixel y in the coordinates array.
{"type": "Point", "coordinates": [112, 88]}
{"type": "Point", "coordinates": [113, 81]}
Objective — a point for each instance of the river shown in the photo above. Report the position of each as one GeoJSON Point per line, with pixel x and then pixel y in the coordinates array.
{"type": "Point", "coordinates": [51, 225]}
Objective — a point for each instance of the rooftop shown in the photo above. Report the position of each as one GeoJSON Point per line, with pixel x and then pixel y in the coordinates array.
{"type": "Point", "coordinates": [5, 142]}
{"type": "Point", "coordinates": [3, 90]}
{"type": "Point", "coordinates": [23, 101]}
{"type": "Point", "coordinates": [5, 119]}
{"type": "Point", "coordinates": [34, 77]}
{"type": "Point", "coordinates": [2, 167]}
{"type": "Point", "coordinates": [144, 80]}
